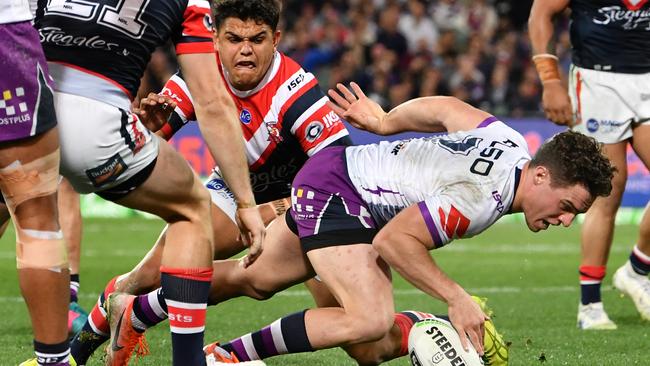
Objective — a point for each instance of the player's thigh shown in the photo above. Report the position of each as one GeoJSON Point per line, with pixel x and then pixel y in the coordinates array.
{"type": "Point", "coordinates": [357, 276]}
{"type": "Point", "coordinates": [172, 191]}
{"type": "Point", "coordinates": [102, 146]}
{"type": "Point", "coordinates": [282, 263]}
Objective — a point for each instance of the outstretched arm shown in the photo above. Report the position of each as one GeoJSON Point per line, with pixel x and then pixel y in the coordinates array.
{"type": "Point", "coordinates": [404, 243]}
{"type": "Point", "coordinates": [427, 114]}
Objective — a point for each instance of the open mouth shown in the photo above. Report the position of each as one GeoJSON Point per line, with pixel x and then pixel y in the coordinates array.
{"type": "Point", "coordinates": [545, 224]}
{"type": "Point", "coordinates": [245, 64]}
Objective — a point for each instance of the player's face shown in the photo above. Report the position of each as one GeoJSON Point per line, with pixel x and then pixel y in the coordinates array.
{"type": "Point", "coordinates": [554, 205]}
{"type": "Point", "coordinates": [246, 49]}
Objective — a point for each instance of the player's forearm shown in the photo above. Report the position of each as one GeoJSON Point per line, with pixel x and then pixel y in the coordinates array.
{"type": "Point", "coordinates": [411, 259]}
{"type": "Point", "coordinates": [432, 114]}
{"type": "Point", "coordinates": [224, 139]}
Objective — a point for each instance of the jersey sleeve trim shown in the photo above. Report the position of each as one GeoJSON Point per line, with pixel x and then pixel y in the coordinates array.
{"type": "Point", "coordinates": [198, 46]}
{"type": "Point", "coordinates": [486, 122]}
{"type": "Point", "coordinates": [428, 220]}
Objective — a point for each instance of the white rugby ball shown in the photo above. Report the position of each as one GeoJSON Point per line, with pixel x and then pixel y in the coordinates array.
{"type": "Point", "coordinates": [435, 342]}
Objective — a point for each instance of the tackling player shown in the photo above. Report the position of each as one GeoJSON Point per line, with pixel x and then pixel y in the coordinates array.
{"type": "Point", "coordinates": [97, 52]}
{"type": "Point", "coordinates": [607, 100]}
{"type": "Point", "coordinates": [358, 211]}
{"type": "Point", "coordinates": [29, 173]}
{"type": "Point", "coordinates": [284, 117]}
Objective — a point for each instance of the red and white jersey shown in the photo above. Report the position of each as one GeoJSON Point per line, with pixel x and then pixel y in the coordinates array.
{"type": "Point", "coordinates": [284, 119]}
{"type": "Point", "coordinates": [12, 11]}
{"type": "Point", "coordinates": [462, 182]}
{"type": "Point", "coordinates": [100, 49]}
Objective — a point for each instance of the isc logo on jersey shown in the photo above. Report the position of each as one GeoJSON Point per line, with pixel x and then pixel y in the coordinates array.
{"type": "Point", "coordinates": [434, 342]}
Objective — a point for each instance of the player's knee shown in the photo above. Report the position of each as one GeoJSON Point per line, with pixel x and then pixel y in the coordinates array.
{"type": "Point", "coordinates": [363, 355]}
{"type": "Point", "coordinates": [369, 327]}
{"type": "Point", "coordinates": [260, 290]}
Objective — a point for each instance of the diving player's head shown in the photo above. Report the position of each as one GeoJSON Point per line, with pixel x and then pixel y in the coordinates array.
{"type": "Point", "coordinates": [246, 37]}
{"type": "Point", "coordinates": [566, 175]}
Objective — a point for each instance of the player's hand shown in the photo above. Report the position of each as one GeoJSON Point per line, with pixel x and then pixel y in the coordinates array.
{"type": "Point", "coordinates": [468, 319]}
{"type": "Point", "coordinates": [155, 110]}
{"type": "Point", "coordinates": [252, 232]}
{"type": "Point", "coordinates": [557, 104]}
{"type": "Point", "coordinates": [359, 110]}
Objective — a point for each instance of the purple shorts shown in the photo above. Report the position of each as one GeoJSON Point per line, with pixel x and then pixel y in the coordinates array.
{"type": "Point", "coordinates": [326, 208]}
{"type": "Point", "coordinates": [26, 100]}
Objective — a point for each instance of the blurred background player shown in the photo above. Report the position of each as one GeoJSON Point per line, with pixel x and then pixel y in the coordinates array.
{"type": "Point", "coordinates": [29, 173]}
{"type": "Point", "coordinates": [284, 117]}
{"type": "Point", "coordinates": [106, 149]}
{"type": "Point", "coordinates": [70, 219]}
{"type": "Point", "coordinates": [606, 99]}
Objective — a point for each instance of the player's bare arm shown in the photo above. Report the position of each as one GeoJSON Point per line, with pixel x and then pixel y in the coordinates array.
{"type": "Point", "coordinates": [215, 112]}
{"type": "Point", "coordinates": [555, 97]}
{"type": "Point", "coordinates": [427, 114]}
{"type": "Point", "coordinates": [404, 243]}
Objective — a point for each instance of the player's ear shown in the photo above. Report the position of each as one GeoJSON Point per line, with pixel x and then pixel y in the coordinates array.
{"type": "Point", "coordinates": [276, 39]}
{"type": "Point", "coordinates": [541, 174]}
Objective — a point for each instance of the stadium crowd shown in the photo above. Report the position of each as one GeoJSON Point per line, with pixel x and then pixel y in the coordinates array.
{"type": "Point", "coordinates": [478, 51]}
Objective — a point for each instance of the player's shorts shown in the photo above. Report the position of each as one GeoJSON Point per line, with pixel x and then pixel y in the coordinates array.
{"type": "Point", "coordinates": [221, 195]}
{"type": "Point", "coordinates": [26, 106]}
{"type": "Point", "coordinates": [609, 104]}
{"type": "Point", "coordinates": [326, 209]}
{"type": "Point", "coordinates": [104, 149]}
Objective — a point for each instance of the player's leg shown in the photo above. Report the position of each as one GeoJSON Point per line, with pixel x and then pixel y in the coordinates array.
{"type": "Point", "coordinates": [145, 277]}
{"type": "Point", "coordinates": [71, 225]}
{"type": "Point", "coordinates": [29, 166]}
{"type": "Point", "coordinates": [632, 278]}
{"type": "Point", "coordinates": [42, 265]}
{"type": "Point", "coordinates": [174, 193]}
{"type": "Point", "coordinates": [596, 240]}
{"type": "Point", "coordinates": [361, 282]}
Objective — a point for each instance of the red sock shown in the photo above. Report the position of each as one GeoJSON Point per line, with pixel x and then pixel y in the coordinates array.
{"type": "Point", "coordinates": [405, 324]}
{"type": "Point", "coordinates": [97, 316]}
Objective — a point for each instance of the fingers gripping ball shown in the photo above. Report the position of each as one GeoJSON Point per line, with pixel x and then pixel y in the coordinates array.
{"type": "Point", "coordinates": [434, 342]}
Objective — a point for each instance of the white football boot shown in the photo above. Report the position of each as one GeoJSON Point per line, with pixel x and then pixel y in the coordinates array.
{"type": "Point", "coordinates": [593, 317]}
{"type": "Point", "coordinates": [635, 286]}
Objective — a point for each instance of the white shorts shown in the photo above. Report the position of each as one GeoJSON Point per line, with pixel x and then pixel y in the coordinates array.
{"type": "Point", "coordinates": [609, 104]}
{"type": "Point", "coordinates": [221, 195]}
{"type": "Point", "coordinates": [101, 145]}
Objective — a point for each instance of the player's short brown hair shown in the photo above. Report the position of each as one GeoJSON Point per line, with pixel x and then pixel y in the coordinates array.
{"type": "Point", "coordinates": [261, 11]}
{"type": "Point", "coordinates": [574, 158]}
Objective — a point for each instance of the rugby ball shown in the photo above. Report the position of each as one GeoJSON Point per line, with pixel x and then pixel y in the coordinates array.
{"type": "Point", "coordinates": [435, 342]}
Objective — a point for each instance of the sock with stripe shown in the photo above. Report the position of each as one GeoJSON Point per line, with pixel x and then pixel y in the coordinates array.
{"type": "Point", "coordinates": [285, 335]}
{"type": "Point", "coordinates": [52, 354]}
{"type": "Point", "coordinates": [186, 293]}
{"type": "Point", "coordinates": [74, 287]}
{"type": "Point", "coordinates": [149, 310]}
{"type": "Point", "coordinates": [640, 261]}
{"type": "Point", "coordinates": [96, 331]}
{"type": "Point", "coordinates": [404, 321]}
{"type": "Point", "coordinates": [590, 279]}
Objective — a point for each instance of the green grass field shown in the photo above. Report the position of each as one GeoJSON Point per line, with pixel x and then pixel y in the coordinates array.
{"type": "Point", "coordinates": [530, 279]}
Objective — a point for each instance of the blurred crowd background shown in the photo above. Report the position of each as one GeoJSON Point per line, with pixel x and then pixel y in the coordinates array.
{"type": "Point", "coordinates": [476, 50]}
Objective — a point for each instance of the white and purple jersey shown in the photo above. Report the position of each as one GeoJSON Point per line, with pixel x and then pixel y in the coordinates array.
{"type": "Point", "coordinates": [462, 182]}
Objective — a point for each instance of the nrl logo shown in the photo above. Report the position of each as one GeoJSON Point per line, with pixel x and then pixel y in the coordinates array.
{"type": "Point", "coordinates": [634, 4]}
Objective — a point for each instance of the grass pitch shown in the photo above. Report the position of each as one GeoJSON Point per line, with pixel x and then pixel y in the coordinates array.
{"type": "Point", "coordinates": [530, 279]}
